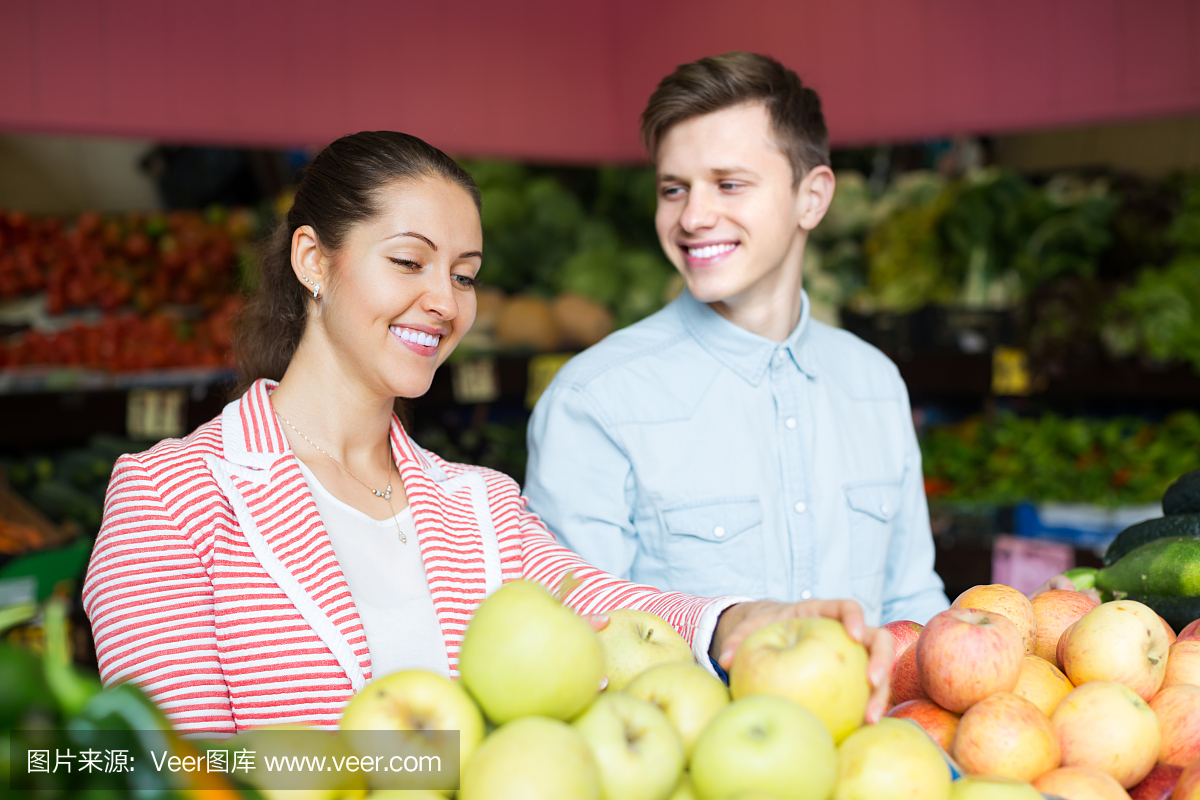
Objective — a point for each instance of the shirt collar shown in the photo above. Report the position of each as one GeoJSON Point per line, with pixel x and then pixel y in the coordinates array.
{"type": "Point", "coordinates": [745, 353]}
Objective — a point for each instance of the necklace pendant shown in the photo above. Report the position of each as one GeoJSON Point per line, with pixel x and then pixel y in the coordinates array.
{"type": "Point", "coordinates": [387, 495]}
{"type": "Point", "coordinates": [403, 539]}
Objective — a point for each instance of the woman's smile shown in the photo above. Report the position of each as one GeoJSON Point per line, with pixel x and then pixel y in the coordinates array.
{"type": "Point", "coordinates": [422, 340]}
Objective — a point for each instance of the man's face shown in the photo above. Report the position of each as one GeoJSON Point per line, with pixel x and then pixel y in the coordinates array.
{"type": "Point", "coordinates": [728, 216]}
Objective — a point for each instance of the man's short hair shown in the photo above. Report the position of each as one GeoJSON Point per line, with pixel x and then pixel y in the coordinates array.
{"type": "Point", "coordinates": [719, 82]}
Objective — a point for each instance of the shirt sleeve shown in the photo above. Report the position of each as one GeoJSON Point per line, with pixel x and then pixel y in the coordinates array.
{"type": "Point", "coordinates": [546, 561]}
{"type": "Point", "coordinates": [912, 590]}
{"type": "Point", "coordinates": [579, 479]}
{"type": "Point", "coordinates": [150, 603]}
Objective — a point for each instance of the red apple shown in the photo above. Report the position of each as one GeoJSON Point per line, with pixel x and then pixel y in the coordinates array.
{"type": "Point", "coordinates": [1080, 783]}
{"type": "Point", "coordinates": [1183, 663]}
{"type": "Point", "coordinates": [1122, 641]}
{"type": "Point", "coordinates": [939, 723]}
{"type": "Point", "coordinates": [1103, 725]}
{"type": "Point", "coordinates": [965, 655]}
{"type": "Point", "coordinates": [1055, 611]}
{"type": "Point", "coordinates": [1190, 631]}
{"type": "Point", "coordinates": [1178, 711]}
{"type": "Point", "coordinates": [904, 633]}
{"type": "Point", "coordinates": [1061, 650]}
{"type": "Point", "coordinates": [1188, 787]}
{"type": "Point", "coordinates": [1007, 602]}
{"type": "Point", "coordinates": [1158, 785]}
{"type": "Point", "coordinates": [906, 681]}
{"type": "Point", "coordinates": [1008, 736]}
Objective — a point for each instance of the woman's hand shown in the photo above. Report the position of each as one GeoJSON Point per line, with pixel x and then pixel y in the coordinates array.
{"type": "Point", "coordinates": [739, 621]}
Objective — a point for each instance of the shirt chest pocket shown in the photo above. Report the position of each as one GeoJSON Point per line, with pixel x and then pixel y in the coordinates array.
{"type": "Point", "coordinates": [873, 509]}
{"type": "Point", "coordinates": [714, 546]}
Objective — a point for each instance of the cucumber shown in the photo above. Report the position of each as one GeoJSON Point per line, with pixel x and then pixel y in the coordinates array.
{"type": "Point", "coordinates": [1083, 577]}
{"type": "Point", "coordinates": [1179, 612]}
{"type": "Point", "coordinates": [1167, 567]}
{"type": "Point", "coordinates": [1135, 536]}
{"type": "Point", "coordinates": [1183, 496]}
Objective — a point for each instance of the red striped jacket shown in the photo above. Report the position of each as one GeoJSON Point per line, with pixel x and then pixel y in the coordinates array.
{"type": "Point", "coordinates": [213, 584]}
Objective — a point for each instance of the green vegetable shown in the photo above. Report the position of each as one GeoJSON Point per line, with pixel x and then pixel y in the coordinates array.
{"type": "Point", "coordinates": [1151, 530]}
{"type": "Point", "coordinates": [1183, 496]}
{"type": "Point", "coordinates": [1082, 577]}
{"type": "Point", "coordinates": [23, 686]}
{"type": "Point", "coordinates": [1169, 567]}
{"type": "Point", "coordinates": [71, 687]}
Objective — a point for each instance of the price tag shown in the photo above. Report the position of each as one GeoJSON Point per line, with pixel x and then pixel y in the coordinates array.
{"type": "Point", "coordinates": [542, 370]}
{"type": "Point", "coordinates": [475, 381]}
{"type": "Point", "coordinates": [154, 414]}
{"type": "Point", "coordinates": [1010, 372]}
{"type": "Point", "coordinates": [1025, 564]}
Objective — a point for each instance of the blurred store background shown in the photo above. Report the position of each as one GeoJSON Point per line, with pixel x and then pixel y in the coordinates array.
{"type": "Point", "coordinates": [1016, 224]}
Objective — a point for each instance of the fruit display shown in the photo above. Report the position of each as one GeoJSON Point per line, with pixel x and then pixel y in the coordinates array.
{"type": "Point", "coordinates": [134, 292]}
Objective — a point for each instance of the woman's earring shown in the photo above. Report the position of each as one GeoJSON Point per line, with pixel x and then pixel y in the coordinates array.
{"type": "Point", "coordinates": [316, 287]}
{"type": "Point", "coordinates": [316, 290]}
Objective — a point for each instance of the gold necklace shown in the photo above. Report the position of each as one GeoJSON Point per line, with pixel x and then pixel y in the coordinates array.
{"type": "Point", "coordinates": [386, 494]}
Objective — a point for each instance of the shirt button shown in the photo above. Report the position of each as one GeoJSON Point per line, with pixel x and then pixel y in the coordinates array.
{"type": "Point", "coordinates": [805, 595]}
{"type": "Point", "coordinates": [800, 507]}
{"type": "Point", "coordinates": [718, 531]}
{"type": "Point", "coordinates": [883, 509]}
{"type": "Point", "coordinates": [790, 422]}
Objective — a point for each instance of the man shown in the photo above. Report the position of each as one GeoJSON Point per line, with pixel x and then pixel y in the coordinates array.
{"type": "Point", "coordinates": [730, 444]}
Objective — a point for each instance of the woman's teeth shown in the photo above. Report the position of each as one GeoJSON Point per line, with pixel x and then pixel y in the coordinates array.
{"type": "Point", "coordinates": [710, 251]}
{"type": "Point", "coordinates": [417, 337]}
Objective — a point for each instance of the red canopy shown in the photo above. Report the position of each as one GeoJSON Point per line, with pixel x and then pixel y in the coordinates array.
{"type": "Point", "coordinates": [565, 80]}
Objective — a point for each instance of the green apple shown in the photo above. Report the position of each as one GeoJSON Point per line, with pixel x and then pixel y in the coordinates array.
{"type": "Point", "coordinates": [812, 661]}
{"type": "Point", "coordinates": [525, 654]}
{"type": "Point", "coordinates": [687, 693]}
{"type": "Point", "coordinates": [532, 758]}
{"type": "Point", "coordinates": [768, 745]}
{"type": "Point", "coordinates": [637, 750]}
{"type": "Point", "coordinates": [980, 787]}
{"type": "Point", "coordinates": [634, 641]}
{"type": "Point", "coordinates": [683, 789]}
{"type": "Point", "coordinates": [416, 700]}
{"type": "Point", "coordinates": [892, 759]}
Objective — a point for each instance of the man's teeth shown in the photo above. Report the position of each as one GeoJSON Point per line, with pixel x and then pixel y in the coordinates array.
{"type": "Point", "coordinates": [710, 251]}
{"type": "Point", "coordinates": [417, 337]}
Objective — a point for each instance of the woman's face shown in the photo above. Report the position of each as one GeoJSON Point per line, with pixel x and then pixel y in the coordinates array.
{"type": "Point", "coordinates": [403, 291]}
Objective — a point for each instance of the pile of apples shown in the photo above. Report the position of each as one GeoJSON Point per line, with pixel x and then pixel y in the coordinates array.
{"type": "Point", "coordinates": [982, 680]}
{"type": "Point", "coordinates": [1082, 700]}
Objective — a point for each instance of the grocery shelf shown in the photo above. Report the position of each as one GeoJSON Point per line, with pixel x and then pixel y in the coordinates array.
{"type": "Point", "coordinates": [49, 379]}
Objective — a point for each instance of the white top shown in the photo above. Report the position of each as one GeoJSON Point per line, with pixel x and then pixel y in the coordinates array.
{"type": "Point", "coordinates": [387, 583]}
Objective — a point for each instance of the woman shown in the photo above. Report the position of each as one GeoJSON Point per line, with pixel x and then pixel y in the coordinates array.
{"type": "Point", "coordinates": [261, 570]}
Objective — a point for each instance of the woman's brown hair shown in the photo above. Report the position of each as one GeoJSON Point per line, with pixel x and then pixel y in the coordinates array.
{"type": "Point", "coordinates": [338, 190]}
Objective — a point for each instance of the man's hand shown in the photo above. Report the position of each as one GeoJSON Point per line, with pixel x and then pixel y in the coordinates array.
{"type": "Point", "coordinates": [739, 621]}
{"type": "Point", "coordinates": [1064, 583]}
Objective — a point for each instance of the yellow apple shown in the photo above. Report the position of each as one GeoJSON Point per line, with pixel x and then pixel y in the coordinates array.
{"type": "Point", "coordinates": [532, 758]}
{"type": "Point", "coordinates": [633, 641]}
{"type": "Point", "coordinates": [939, 723]}
{"type": "Point", "coordinates": [1042, 684]}
{"type": "Point", "coordinates": [524, 654]}
{"type": "Point", "coordinates": [891, 759]}
{"type": "Point", "coordinates": [982, 787]}
{"type": "Point", "coordinates": [637, 751]}
{"type": "Point", "coordinates": [687, 694]}
{"type": "Point", "coordinates": [1007, 736]}
{"type": "Point", "coordinates": [812, 661]}
{"type": "Point", "coordinates": [1122, 641]}
{"type": "Point", "coordinates": [1104, 726]}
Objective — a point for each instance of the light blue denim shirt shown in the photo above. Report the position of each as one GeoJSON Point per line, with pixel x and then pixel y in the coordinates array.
{"type": "Point", "coordinates": [687, 453]}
